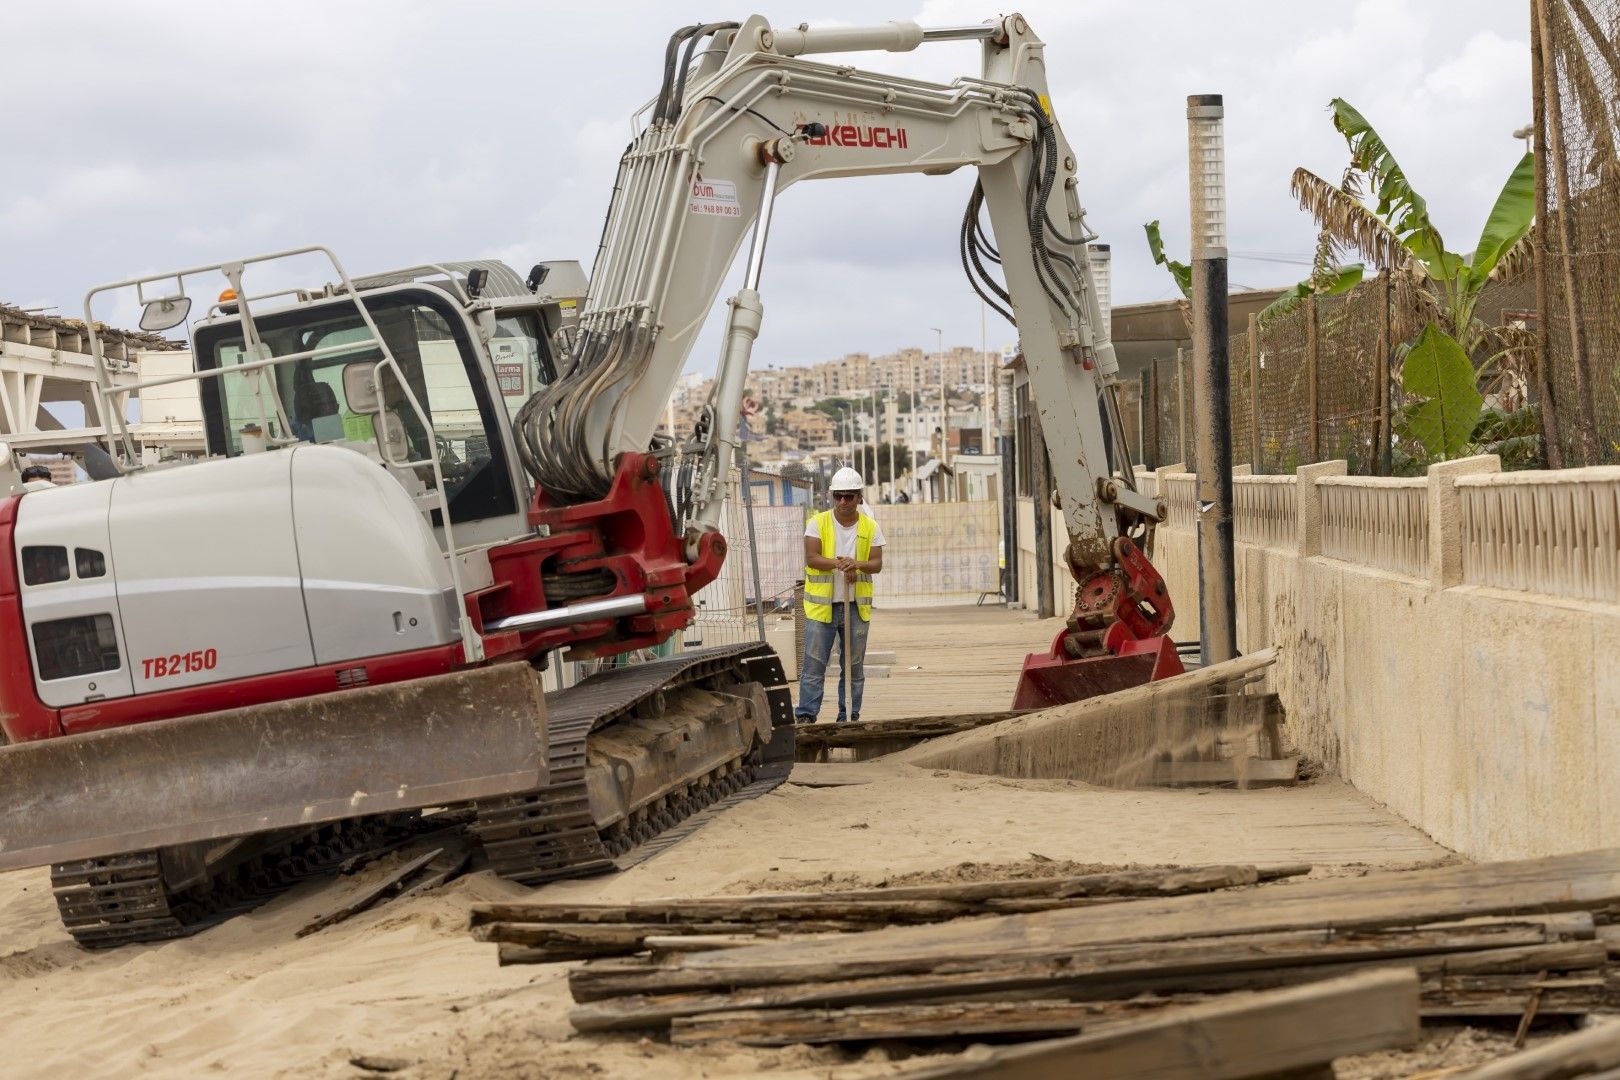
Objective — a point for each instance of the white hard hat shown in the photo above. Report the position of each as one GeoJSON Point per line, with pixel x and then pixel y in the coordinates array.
{"type": "Point", "coordinates": [846, 479]}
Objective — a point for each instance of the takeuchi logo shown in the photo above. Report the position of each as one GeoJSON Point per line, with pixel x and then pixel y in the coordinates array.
{"type": "Point", "coordinates": [883, 138]}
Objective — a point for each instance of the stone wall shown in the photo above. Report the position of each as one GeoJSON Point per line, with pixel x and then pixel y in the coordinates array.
{"type": "Point", "coordinates": [1451, 646]}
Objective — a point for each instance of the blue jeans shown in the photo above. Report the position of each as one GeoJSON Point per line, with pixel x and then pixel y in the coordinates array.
{"type": "Point", "coordinates": [818, 645]}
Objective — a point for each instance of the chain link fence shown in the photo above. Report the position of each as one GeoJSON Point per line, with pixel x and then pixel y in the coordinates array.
{"type": "Point", "coordinates": [1575, 46]}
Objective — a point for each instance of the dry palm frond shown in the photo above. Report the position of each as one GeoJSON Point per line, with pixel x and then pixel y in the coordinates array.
{"type": "Point", "coordinates": [1509, 364]}
{"type": "Point", "coordinates": [1349, 223]}
{"type": "Point", "coordinates": [1413, 304]}
{"type": "Point", "coordinates": [1517, 260]}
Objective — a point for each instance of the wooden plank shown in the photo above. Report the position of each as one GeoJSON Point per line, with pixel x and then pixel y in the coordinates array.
{"type": "Point", "coordinates": [1580, 1054]}
{"type": "Point", "coordinates": [846, 905]}
{"type": "Point", "coordinates": [1249, 772]}
{"type": "Point", "coordinates": [786, 1027]}
{"type": "Point", "coordinates": [1112, 740]}
{"type": "Point", "coordinates": [1399, 898]}
{"type": "Point", "coordinates": [834, 774]}
{"type": "Point", "coordinates": [817, 737]}
{"type": "Point", "coordinates": [1237, 1036]}
{"type": "Point", "coordinates": [365, 899]}
{"type": "Point", "coordinates": [619, 996]}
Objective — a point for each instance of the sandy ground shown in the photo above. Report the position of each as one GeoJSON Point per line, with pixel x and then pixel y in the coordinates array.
{"type": "Point", "coordinates": [407, 982]}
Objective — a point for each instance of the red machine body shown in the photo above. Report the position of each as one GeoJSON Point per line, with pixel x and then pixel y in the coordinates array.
{"type": "Point", "coordinates": [628, 534]}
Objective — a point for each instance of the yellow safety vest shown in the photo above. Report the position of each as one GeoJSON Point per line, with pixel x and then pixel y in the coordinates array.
{"type": "Point", "coordinates": [818, 584]}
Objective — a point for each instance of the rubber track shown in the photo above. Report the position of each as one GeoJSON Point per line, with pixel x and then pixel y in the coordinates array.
{"type": "Point", "coordinates": [549, 834]}
{"type": "Point", "coordinates": [122, 899]}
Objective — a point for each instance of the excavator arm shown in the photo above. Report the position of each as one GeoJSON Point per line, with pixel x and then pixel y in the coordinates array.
{"type": "Point", "coordinates": [741, 116]}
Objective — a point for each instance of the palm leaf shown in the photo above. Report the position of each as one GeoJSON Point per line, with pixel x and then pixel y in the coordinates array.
{"type": "Point", "coordinates": [1350, 224]}
{"type": "Point", "coordinates": [1509, 219]}
{"type": "Point", "coordinates": [1399, 204]}
{"type": "Point", "coordinates": [1180, 271]}
{"type": "Point", "coordinates": [1517, 260]}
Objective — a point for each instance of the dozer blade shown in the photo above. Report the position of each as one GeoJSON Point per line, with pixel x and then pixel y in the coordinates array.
{"type": "Point", "coordinates": [402, 746]}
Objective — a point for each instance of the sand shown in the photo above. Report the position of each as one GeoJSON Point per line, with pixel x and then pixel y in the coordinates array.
{"type": "Point", "coordinates": [406, 981]}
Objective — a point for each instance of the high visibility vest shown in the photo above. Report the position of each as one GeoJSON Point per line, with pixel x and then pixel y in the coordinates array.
{"type": "Point", "coordinates": [818, 584]}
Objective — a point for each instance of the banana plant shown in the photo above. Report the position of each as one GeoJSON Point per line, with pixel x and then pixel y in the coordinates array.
{"type": "Point", "coordinates": [1178, 270]}
{"type": "Point", "coordinates": [1326, 279]}
{"type": "Point", "coordinates": [1398, 234]}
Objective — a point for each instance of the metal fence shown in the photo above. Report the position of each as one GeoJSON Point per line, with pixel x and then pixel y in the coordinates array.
{"type": "Point", "coordinates": [1575, 53]}
{"type": "Point", "coordinates": [1307, 386]}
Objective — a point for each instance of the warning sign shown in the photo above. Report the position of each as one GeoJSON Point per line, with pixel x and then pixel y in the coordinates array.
{"type": "Point", "coordinates": [510, 378]}
{"type": "Point", "coordinates": [715, 198]}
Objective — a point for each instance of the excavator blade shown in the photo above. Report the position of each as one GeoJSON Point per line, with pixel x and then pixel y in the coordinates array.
{"type": "Point", "coordinates": [426, 742]}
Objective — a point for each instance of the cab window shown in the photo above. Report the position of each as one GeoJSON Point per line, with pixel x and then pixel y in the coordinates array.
{"type": "Point", "coordinates": [522, 363]}
{"type": "Point", "coordinates": [429, 343]}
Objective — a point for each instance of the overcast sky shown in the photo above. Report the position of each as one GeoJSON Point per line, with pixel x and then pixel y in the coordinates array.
{"type": "Point", "coordinates": [146, 137]}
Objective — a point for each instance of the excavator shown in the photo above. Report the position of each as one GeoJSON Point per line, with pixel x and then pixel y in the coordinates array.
{"type": "Point", "coordinates": [222, 676]}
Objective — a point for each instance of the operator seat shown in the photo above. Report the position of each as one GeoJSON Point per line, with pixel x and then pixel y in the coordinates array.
{"type": "Point", "coordinates": [312, 399]}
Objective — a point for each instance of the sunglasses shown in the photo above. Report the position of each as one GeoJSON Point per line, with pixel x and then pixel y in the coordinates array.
{"type": "Point", "coordinates": [843, 495]}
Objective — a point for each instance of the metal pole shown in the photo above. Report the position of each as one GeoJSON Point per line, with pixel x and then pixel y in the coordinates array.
{"type": "Point", "coordinates": [1213, 385]}
{"type": "Point", "coordinates": [748, 513]}
{"type": "Point", "coordinates": [1148, 422]}
{"type": "Point", "coordinates": [1005, 445]}
{"type": "Point", "coordinates": [1312, 380]}
{"type": "Point", "coordinates": [1181, 411]}
{"type": "Point", "coordinates": [849, 654]}
{"type": "Point", "coordinates": [1254, 392]}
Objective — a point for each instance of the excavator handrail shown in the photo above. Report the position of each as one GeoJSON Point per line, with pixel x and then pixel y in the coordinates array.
{"type": "Point", "coordinates": [111, 399]}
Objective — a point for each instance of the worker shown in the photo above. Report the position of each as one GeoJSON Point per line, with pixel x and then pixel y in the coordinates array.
{"type": "Point", "coordinates": [37, 478]}
{"type": "Point", "coordinates": [843, 548]}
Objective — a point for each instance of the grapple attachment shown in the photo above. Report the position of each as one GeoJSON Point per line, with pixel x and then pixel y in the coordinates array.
{"type": "Point", "coordinates": [402, 746]}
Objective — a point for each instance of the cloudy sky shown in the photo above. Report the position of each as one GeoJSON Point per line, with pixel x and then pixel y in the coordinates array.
{"type": "Point", "coordinates": [146, 137]}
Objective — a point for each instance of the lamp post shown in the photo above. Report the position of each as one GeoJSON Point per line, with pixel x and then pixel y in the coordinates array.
{"type": "Point", "coordinates": [1206, 153]}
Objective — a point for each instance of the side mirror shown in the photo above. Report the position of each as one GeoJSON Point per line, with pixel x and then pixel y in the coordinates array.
{"type": "Point", "coordinates": [360, 388]}
{"type": "Point", "coordinates": [165, 313]}
{"type": "Point", "coordinates": [391, 441]}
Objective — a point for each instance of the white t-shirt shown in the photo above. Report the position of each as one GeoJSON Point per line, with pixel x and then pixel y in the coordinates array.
{"type": "Point", "coordinates": [844, 546]}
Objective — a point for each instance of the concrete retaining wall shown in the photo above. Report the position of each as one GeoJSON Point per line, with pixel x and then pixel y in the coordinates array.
{"type": "Point", "coordinates": [1488, 716]}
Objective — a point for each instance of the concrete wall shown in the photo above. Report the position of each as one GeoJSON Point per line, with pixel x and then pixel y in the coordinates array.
{"type": "Point", "coordinates": [1483, 712]}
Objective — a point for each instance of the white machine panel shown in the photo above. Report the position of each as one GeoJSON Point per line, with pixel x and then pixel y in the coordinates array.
{"type": "Point", "coordinates": [65, 566]}
{"type": "Point", "coordinates": [208, 577]}
{"type": "Point", "coordinates": [375, 581]}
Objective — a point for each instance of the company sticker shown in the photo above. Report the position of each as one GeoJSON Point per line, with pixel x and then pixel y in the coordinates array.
{"type": "Point", "coordinates": [715, 198]}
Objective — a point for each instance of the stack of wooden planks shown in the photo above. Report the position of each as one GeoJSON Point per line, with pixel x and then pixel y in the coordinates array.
{"type": "Point", "coordinates": [531, 933]}
{"type": "Point", "coordinates": [1525, 939]}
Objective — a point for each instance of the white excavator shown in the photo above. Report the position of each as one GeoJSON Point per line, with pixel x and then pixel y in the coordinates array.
{"type": "Point", "coordinates": [223, 676]}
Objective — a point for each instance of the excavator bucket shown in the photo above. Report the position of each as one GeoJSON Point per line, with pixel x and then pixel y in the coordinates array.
{"type": "Point", "coordinates": [402, 746]}
{"type": "Point", "coordinates": [1054, 678]}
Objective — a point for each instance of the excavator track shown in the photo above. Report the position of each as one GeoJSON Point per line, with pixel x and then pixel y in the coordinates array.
{"type": "Point", "coordinates": [549, 834]}
{"type": "Point", "coordinates": [124, 899]}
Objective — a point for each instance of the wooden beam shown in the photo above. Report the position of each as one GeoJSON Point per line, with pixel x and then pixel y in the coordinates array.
{"type": "Point", "coordinates": [1113, 740]}
{"type": "Point", "coordinates": [641, 995]}
{"type": "Point", "coordinates": [786, 1027]}
{"type": "Point", "coordinates": [867, 904]}
{"type": "Point", "coordinates": [1246, 772]}
{"type": "Point", "coordinates": [1577, 882]}
{"type": "Point", "coordinates": [1239, 1036]}
{"type": "Point", "coordinates": [1581, 1054]}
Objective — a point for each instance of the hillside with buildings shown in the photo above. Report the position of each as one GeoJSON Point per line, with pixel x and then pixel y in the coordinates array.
{"type": "Point", "coordinates": [809, 419]}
